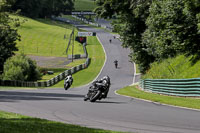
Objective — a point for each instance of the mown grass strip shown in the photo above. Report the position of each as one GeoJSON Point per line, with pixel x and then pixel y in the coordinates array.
{"type": "Point", "coordinates": [15, 123]}
{"type": "Point", "coordinates": [85, 5]}
{"type": "Point", "coordinates": [57, 71]}
{"type": "Point", "coordinates": [45, 37]}
{"type": "Point", "coordinates": [133, 91]}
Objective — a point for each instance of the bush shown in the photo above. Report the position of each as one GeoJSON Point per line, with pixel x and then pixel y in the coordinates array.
{"type": "Point", "coordinates": [22, 68]}
{"type": "Point", "coordinates": [172, 29]}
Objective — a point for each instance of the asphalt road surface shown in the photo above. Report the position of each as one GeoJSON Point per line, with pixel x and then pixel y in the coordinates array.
{"type": "Point", "coordinates": [117, 113]}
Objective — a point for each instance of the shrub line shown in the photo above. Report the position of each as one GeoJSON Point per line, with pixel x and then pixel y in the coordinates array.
{"type": "Point", "coordinates": [50, 82]}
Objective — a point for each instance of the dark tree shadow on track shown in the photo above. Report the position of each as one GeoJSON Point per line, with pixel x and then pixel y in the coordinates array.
{"type": "Point", "coordinates": [110, 102]}
{"type": "Point", "coordinates": [8, 96]}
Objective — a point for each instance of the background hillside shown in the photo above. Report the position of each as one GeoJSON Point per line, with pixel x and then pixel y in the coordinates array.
{"type": "Point", "coordinates": [45, 37]}
{"type": "Point", "coordinates": [84, 5]}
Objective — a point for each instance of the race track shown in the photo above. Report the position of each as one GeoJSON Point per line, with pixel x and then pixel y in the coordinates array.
{"type": "Point", "coordinates": [114, 113]}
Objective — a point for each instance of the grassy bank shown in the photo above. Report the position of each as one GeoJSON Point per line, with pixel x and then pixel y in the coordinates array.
{"type": "Point", "coordinates": [179, 67]}
{"type": "Point", "coordinates": [45, 37]}
{"type": "Point", "coordinates": [14, 123]}
{"type": "Point", "coordinates": [133, 91]}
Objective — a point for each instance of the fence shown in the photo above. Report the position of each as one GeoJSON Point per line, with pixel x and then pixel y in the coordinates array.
{"type": "Point", "coordinates": [52, 81]}
{"type": "Point", "coordinates": [78, 56]}
{"type": "Point", "coordinates": [176, 87]}
{"type": "Point", "coordinates": [48, 83]}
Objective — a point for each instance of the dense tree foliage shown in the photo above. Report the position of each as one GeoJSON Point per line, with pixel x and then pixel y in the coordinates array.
{"type": "Point", "coordinates": [41, 8]}
{"type": "Point", "coordinates": [132, 15]}
{"type": "Point", "coordinates": [8, 35]}
{"type": "Point", "coordinates": [172, 28]}
{"type": "Point", "coordinates": [21, 68]}
{"type": "Point", "coordinates": [156, 29]}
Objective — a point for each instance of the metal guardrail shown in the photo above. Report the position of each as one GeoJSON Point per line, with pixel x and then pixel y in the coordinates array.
{"type": "Point", "coordinates": [176, 87]}
{"type": "Point", "coordinates": [48, 83]}
{"type": "Point", "coordinates": [52, 81]}
{"type": "Point", "coordinates": [94, 24]}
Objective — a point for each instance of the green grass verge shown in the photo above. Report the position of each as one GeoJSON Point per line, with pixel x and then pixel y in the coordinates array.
{"type": "Point", "coordinates": [76, 63]}
{"type": "Point", "coordinates": [180, 67]}
{"type": "Point", "coordinates": [97, 56]}
{"type": "Point", "coordinates": [45, 37]}
{"type": "Point", "coordinates": [85, 5]}
{"type": "Point", "coordinates": [57, 71]}
{"type": "Point", "coordinates": [133, 91]}
{"type": "Point", "coordinates": [15, 123]}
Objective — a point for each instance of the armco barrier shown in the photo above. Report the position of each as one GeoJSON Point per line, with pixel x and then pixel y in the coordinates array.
{"type": "Point", "coordinates": [48, 83]}
{"type": "Point", "coordinates": [52, 81]}
{"type": "Point", "coordinates": [176, 87]}
{"type": "Point", "coordinates": [94, 24]}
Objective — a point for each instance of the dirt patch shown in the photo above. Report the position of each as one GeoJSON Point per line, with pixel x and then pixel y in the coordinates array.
{"type": "Point", "coordinates": [50, 62]}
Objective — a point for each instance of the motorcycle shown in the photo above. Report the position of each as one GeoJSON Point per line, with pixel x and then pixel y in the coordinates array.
{"type": "Point", "coordinates": [116, 63]}
{"type": "Point", "coordinates": [68, 82]}
{"type": "Point", "coordinates": [98, 90]}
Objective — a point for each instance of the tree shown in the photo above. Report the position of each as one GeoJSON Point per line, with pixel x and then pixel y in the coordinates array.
{"type": "Point", "coordinates": [172, 29]}
{"type": "Point", "coordinates": [21, 68]}
{"type": "Point", "coordinates": [8, 35]}
{"type": "Point", "coordinates": [30, 8]}
{"type": "Point", "coordinates": [156, 29]}
{"type": "Point", "coordinates": [132, 15]}
{"type": "Point", "coordinates": [41, 8]}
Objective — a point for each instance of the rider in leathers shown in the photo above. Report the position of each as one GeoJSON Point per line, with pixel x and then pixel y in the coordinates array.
{"type": "Point", "coordinates": [105, 83]}
{"type": "Point", "coordinates": [68, 82]}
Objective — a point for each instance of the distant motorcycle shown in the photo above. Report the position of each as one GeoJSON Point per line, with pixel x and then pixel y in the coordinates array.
{"type": "Point", "coordinates": [98, 90]}
{"type": "Point", "coordinates": [116, 63]}
{"type": "Point", "coordinates": [68, 82]}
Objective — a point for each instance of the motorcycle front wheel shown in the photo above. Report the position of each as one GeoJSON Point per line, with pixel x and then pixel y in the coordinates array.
{"type": "Point", "coordinates": [94, 97]}
{"type": "Point", "coordinates": [86, 97]}
{"type": "Point", "coordinates": [66, 86]}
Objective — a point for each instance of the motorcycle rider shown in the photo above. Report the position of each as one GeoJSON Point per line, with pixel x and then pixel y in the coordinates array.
{"type": "Point", "coordinates": [105, 82]}
{"type": "Point", "coordinates": [116, 63]}
{"type": "Point", "coordinates": [110, 40]}
{"type": "Point", "coordinates": [68, 82]}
